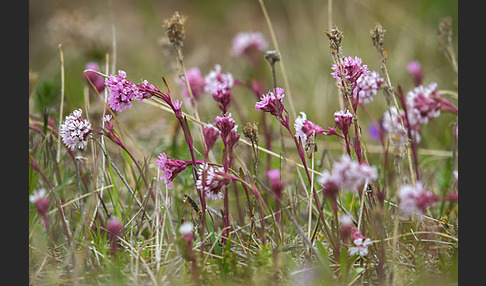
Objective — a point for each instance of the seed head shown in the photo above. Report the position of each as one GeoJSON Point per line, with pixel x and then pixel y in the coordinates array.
{"type": "Point", "coordinates": [174, 27]}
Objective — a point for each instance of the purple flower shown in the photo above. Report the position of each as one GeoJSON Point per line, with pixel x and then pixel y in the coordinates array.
{"type": "Point", "coordinates": [75, 130]}
{"type": "Point", "coordinates": [170, 168]}
{"type": "Point", "coordinates": [41, 203]}
{"type": "Point", "coordinates": [226, 125]}
{"type": "Point", "coordinates": [304, 128]}
{"type": "Point", "coordinates": [368, 85]}
{"type": "Point", "coordinates": [211, 180]}
{"type": "Point", "coordinates": [415, 199]}
{"type": "Point", "coordinates": [276, 184]}
{"type": "Point", "coordinates": [330, 186]}
{"type": "Point", "coordinates": [196, 82]}
{"type": "Point", "coordinates": [414, 69]}
{"type": "Point", "coordinates": [210, 134]}
{"type": "Point", "coordinates": [114, 227]}
{"type": "Point", "coordinates": [94, 78]}
{"type": "Point", "coordinates": [121, 92]}
{"type": "Point", "coordinates": [222, 95]}
{"type": "Point", "coordinates": [272, 103]}
{"type": "Point", "coordinates": [343, 119]}
{"type": "Point", "coordinates": [352, 70]}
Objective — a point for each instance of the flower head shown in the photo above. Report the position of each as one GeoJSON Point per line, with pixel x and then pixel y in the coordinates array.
{"type": "Point", "coordinates": [121, 92]}
{"type": "Point", "coordinates": [272, 103]}
{"type": "Point", "coordinates": [210, 181]}
{"type": "Point", "coordinates": [114, 227]}
{"type": "Point", "coordinates": [196, 82]}
{"type": "Point", "coordinates": [41, 203]}
{"type": "Point", "coordinates": [94, 78]}
{"type": "Point", "coordinates": [392, 124]}
{"type": "Point", "coordinates": [360, 246]}
{"type": "Point", "coordinates": [425, 101]}
{"type": "Point", "coordinates": [351, 71]}
{"type": "Point", "coordinates": [170, 168]}
{"type": "Point", "coordinates": [215, 77]}
{"type": "Point", "coordinates": [304, 128]}
{"type": "Point", "coordinates": [276, 184]}
{"type": "Point", "coordinates": [414, 69]}
{"type": "Point", "coordinates": [343, 119]}
{"type": "Point", "coordinates": [226, 125]}
{"type": "Point", "coordinates": [74, 130]}
{"type": "Point", "coordinates": [222, 95]}
{"type": "Point", "coordinates": [368, 85]}
{"type": "Point", "coordinates": [250, 45]}
{"type": "Point", "coordinates": [210, 133]}
{"type": "Point", "coordinates": [415, 199]}
{"type": "Point", "coordinates": [348, 174]}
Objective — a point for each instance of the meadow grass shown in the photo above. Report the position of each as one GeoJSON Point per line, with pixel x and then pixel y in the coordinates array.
{"type": "Point", "coordinates": [270, 196]}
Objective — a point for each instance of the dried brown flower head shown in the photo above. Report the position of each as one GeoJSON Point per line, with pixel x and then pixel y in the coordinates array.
{"type": "Point", "coordinates": [251, 131]}
{"type": "Point", "coordinates": [272, 57]}
{"type": "Point", "coordinates": [335, 37]}
{"type": "Point", "coordinates": [377, 35]}
{"type": "Point", "coordinates": [174, 27]}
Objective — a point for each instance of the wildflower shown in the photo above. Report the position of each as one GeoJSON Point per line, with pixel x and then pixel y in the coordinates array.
{"type": "Point", "coordinates": [249, 45]}
{"type": "Point", "coordinates": [170, 168]}
{"type": "Point", "coordinates": [222, 95]}
{"type": "Point", "coordinates": [114, 228]}
{"type": "Point", "coordinates": [216, 77]}
{"type": "Point", "coordinates": [75, 130]}
{"type": "Point", "coordinates": [368, 85]}
{"type": "Point", "coordinates": [272, 103]}
{"type": "Point", "coordinates": [425, 100]}
{"type": "Point", "coordinates": [343, 119]}
{"type": "Point", "coordinates": [94, 78]}
{"type": "Point", "coordinates": [392, 125]}
{"type": "Point", "coordinates": [304, 128]}
{"type": "Point", "coordinates": [350, 174]}
{"type": "Point", "coordinates": [276, 184]}
{"type": "Point", "coordinates": [415, 199]}
{"type": "Point", "coordinates": [351, 71]}
{"type": "Point", "coordinates": [361, 244]}
{"type": "Point", "coordinates": [226, 125]}
{"type": "Point", "coordinates": [210, 133]}
{"type": "Point", "coordinates": [210, 181]}
{"type": "Point", "coordinates": [414, 69]}
{"type": "Point", "coordinates": [346, 222]}
{"type": "Point", "coordinates": [41, 204]}
{"type": "Point", "coordinates": [174, 27]}
{"type": "Point", "coordinates": [121, 92]}
{"type": "Point", "coordinates": [185, 230]}
{"type": "Point", "coordinates": [196, 82]}
{"type": "Point", "coordinates": [329, 185]}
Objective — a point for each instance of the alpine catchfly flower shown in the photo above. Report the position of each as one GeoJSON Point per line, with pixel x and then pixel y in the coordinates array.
{"type": "Point", "coordinates": [75, 130]}
{"type": "Point", "coordinates": [121, 92]}
{"type": "Point", "coordinates": [304, 128]}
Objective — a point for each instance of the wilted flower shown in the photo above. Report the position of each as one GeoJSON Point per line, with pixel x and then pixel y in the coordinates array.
{"type": "Point", "coordinates": [75, 130]}
{"type": "Point", "coordinates": [304, 128]}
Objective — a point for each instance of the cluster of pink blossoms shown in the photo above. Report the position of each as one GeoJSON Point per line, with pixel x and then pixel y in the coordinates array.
{"type": "Point", "coordinates": [415, 199]}
{"type": "Point", "coordinates": [211, 180]}
{"type": "Point", "coordinates": [122, 92]}
{"type": "Point", "coordinates": [346, 174]}
{"type": "Point", "coordinates": [170, 168]}
{"type": "Point", "coordinates": [304, 128]}
{"type": "Point", "coordinates": [250, 45]}
{"type": "Point", "coordinates": [361, 244]}
{"type": "Point", "coordinates": [74, 131]}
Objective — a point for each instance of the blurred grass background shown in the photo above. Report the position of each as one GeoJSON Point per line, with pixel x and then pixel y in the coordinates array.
{"type": "Point", "coordinates": [85, 30]}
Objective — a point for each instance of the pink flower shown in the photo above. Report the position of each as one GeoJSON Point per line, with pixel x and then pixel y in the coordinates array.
{"type": "Point", "coordinates": [304, 128]}
{"type": "Point", "coordinates": [368, 85]}
{"type": "Point", "coordinates": [348, 174]}
{"type": "Point", "coordinates": [41, 203]}
{"type": "Point", "coordinates": [75, 130]}
{"type": "Point", "coordinates": [222, 95]}
{"type": "Point", "coordinates": [352, 70]}
{"type": "Point", "coordinates": [121, 92]}
{"type": "Point", "coordinates": [216, 77]}
{"type": "Point", "coordinates": [343, 119]}
{"type": "Point", "coordinates": [272, 103]}
{"type": "Point", "coordinates": [114, 227]}
{"type": "Point", "coordinates": [196, 82]}
{"type": "Point", "coordinates": [210, 134]}
{"type": "Point", "coordinates": [276, 184]}
{"type": "Point", "coordinates": [392, 125]}
{"type": "Point", "coordinates": [250, 45]}
{"type": "Point", "coordinates": [415, 199]}
{"type": "Point", "coordinates": [426, 101]}
{"type": "Point", "coordinates": [211, 180]}
{"type": "Point", "coordinates": [170, 168]}
{"type": "Point", "coordinates": [226, 125]}
{"type": "Point", "coordinates": [185, 230]}
{"type": "Point", "coordinates": [360, 247]}
{"type": "Point", "coordinates": [94, 78]}
{"type": "Point", "coordinates": [414, 69]}
{"type": "Point", "coordinates": [330, 186]}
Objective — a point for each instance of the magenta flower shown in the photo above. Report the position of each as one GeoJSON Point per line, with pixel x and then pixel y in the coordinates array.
{"type": "Point", "coordinates": [170, 168]}
{"type": "Point", "coordinates": [94, 78]}
{"type": "Point", "coordinates": [210, 133]}
{"type": "Point", "coordinates": [121, 92]}
{"type": "Point", "coordinates": [330, 187]}
{"type": "Point", "coordinates": [368, 85]}
{"type": "Point", "coordinates": [351, 71]}
{"type": "Point", "coordinates": [343, 119]}
{"type": "Point", "coordinates": [272, 103]}
{"type": "Point", "coordinates": [75, 130]}
{"type": "Point", "coordinates": [222, 95]}
{"type": "Point", "coordinates": [211, 180]}
{"type": "Point", "coordinates": [276, 184]}
{"type": "Point", "coordinates": [415, 199]}
{"type": "Point", "coordinates": [41, 204]}
{"type": "Point", "coordinates": [304, 128]}
{"type": "Point", "coordinates": [196, 82]}
{"type": "Point", "coordinates": [414, 69]}
{"type": "Point", "coordinates": [226, 125]}
{"type": "Point", "coordinates": [114, 228]}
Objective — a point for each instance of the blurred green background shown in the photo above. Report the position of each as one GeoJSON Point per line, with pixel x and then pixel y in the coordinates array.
{"type": "Point", "coordinates": [86, 30]}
